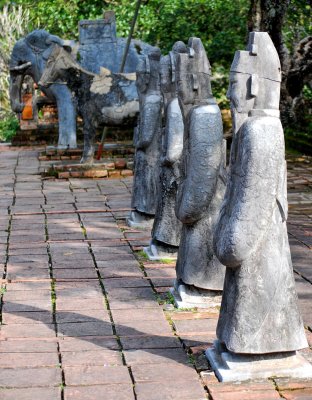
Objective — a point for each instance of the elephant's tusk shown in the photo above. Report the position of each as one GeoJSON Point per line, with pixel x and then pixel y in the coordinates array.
{"type": "Point", "coordinates": [22, 66]}
{"type": "Point", "coordinates": [51, 83]}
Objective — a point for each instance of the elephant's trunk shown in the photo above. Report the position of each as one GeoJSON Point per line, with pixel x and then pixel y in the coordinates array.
{"type": "Point", "coordinates": [15, 92]}
{"type": "Point", "coordinates": [20, 67]}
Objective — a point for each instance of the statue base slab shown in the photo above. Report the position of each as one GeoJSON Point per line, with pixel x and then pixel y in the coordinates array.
{"type": "Point", "coordinates": [155, 252]}
{"type": "Point", "coordinates": [231, 367]}
{"type": "Point", "coordinates": [189, 297]}
{"type": "Point", "coordinates": [140, 220]}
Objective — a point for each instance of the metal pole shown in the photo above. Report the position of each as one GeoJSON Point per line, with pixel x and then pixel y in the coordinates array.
{"type": "Point", "coordinates": [136, 13]}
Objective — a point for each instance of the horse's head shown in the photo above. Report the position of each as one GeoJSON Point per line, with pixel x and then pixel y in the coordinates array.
{"type": "Point", "coordinates": [56, 67]}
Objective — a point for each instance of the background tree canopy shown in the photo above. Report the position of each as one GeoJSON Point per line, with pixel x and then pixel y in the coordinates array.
{"type": "Point", "coordinates": [221, 25]}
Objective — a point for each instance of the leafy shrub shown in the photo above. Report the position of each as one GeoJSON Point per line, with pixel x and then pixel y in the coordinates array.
{"type": "Point", "coordinates": [8, 128]}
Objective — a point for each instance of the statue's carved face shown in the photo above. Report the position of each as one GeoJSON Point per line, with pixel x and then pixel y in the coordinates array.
{"type": "Point", "coordinates": [239, 94]}
{"type": "Point", "coordinates": [142, 76]}
{"type": "Point", "coordinates": [238, 91]}
{"type": "Point", "coordinates": [165, 75]}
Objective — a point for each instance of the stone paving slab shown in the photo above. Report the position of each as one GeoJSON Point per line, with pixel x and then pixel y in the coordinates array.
{"type": "Point", "coordinates": [182, 390]}
{"type": "Point", "coordinates": [92, 358]}
{"type": "Point", "coordinates": [86, 316]}
{"type": "Point", "coordinates": [26, 360]}
{"type": "Point", "coordinates": [31, 394]}
{"type": "Point", "coordinates": [96, 375]}
{"type": "Point", "coordinates": [28, 345]}
{"type": "Point", "coordinates": [104, 392]}
{"type": "Point", "coordinates": [30, 377]}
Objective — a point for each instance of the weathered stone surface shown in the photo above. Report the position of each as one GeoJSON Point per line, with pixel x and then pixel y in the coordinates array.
{"type": "Point", "coordinates": [257, 254]}
{"type": "Point", "coordinates": [231, 367]}
{"type": "Point", "coordinates": [147, 141]}
{"type": "Point", "coordinates": [202, 186]}
{"type": "Point", "coordinates": [167, 228]}
{"type": "Point", "coordinates": [34, 49]}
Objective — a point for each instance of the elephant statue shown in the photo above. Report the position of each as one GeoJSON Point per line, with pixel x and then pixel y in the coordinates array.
{"type": "Point", "coordinates": [29, 57]}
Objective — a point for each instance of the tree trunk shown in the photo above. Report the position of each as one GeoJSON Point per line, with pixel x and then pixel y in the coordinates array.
{"type": "Point", "coordinates": [269, 16]}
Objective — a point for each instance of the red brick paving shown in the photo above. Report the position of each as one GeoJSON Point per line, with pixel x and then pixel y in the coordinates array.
{"type": "Point", "coordinates": [80, 317]}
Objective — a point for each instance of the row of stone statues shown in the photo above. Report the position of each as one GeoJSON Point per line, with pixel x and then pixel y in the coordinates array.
{"type": "Point", "coordinates": [227, 230]}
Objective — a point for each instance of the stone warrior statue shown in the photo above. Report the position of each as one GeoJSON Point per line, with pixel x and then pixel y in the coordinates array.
{"type": "Point", "coordinates": [200, 275]}
{"type": "Point", "coordinates": [147, 141]}
{"type": "Point", "coordinates": [259, 312]}
{"type": "Point", "coordinates": [167, 228]}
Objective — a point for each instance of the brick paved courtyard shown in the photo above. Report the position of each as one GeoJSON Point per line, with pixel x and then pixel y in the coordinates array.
{"type": "Point", "coordinates": [86, 317]}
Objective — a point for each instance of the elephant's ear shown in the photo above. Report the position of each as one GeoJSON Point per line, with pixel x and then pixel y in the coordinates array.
{"type": "Point", "coordinates": [51, 39]}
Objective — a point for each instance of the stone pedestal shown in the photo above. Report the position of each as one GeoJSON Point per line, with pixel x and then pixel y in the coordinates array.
{"type": "Point", "coordinates": [155, 251]}
{"type": "Point", "coordinates": [230, 367]}
{"type": "Point", "coordinates": [190, 297]}
{"type": "Point", "coordinates": [140, 220]}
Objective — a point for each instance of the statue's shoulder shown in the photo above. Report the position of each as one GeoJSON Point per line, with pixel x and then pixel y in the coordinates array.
{"type": "Point", "coordinates": [210, 109]}
{"type": "Point", "coordinates": [264, 133]}
{"type": "Point", "coordinates": [262, 123]}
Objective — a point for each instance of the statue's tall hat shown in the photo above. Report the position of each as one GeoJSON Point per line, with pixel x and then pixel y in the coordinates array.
{"type": "Point", "coordinates": [260, 58]}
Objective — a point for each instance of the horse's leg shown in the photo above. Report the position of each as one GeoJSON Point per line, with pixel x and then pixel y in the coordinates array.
{"type": "Point", "coordinates": [89, 134]}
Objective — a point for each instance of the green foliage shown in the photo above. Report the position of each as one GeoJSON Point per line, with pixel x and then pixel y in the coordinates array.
{"type": "Point", "coordinates": [221, 25]}
{"type": "Point", "coordinates": [8, 127]}
{"type": "Point", "coordinates": [60, 17]}
{"type": "Point", "coordinates": [307, 93]}
{"type": "Point", "coordinates": [13, 22]}
{"type": "Point", "coordinates": [298, 22]}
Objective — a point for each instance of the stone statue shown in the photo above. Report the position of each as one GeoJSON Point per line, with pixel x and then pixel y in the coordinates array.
{"type": "Point", "coordinates": [259, 312]}
{"type": "Point", "coordinates": [105, 99]}
{"type": "Point", "coordinates": [99, 46]}
{"type": "Point", "coordinates": [202, 186]}
{"type": "Point", "coordinates": [147, 141]}
{"type": "Point", "coordinates": [29, 57]}
{"type": "Point", "coordinates": [167, 228]}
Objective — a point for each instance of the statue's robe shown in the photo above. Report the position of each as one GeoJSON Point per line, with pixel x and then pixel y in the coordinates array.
{"type": "Point", "coordinates": [199, 199]}
{"type": "Point", "coordinates": [259, 312]}
{"type": "Point", "coordinates": [148, 146]}
{"type": "Point", "coordinates": [167, 228]}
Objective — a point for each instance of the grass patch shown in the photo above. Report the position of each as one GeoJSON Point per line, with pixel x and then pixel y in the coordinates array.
{"type": "Point", "coordinates": [166, 261]}
{"type": "Point", "coordinates": [3, 290]}
{"type": "Point", "coordinates": [142, 254]}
